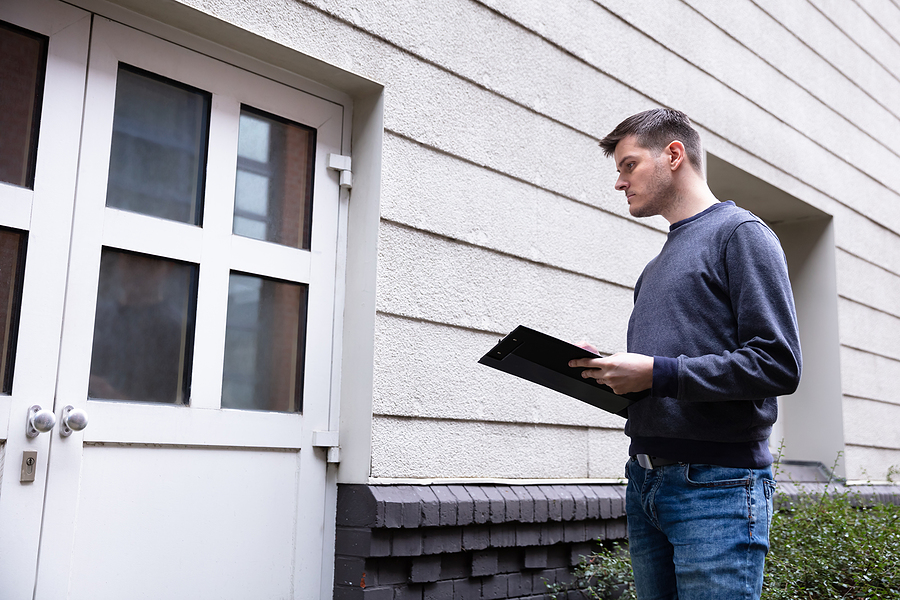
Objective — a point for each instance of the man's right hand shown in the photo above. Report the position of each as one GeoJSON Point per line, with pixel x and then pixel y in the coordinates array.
{"type": "Point", "coordinates": [624, 372]}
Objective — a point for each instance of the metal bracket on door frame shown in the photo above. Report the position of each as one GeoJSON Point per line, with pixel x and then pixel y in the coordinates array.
{"type": "Point", "coordinates": [341, 164]}
{"type": "Point", "coordinates": [328, 440]}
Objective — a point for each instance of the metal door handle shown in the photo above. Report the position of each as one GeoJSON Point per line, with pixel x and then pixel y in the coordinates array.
{"type": "Point", "coordinates": [39, 421]}
{"type": "Point", "coordinates": [73, 419]}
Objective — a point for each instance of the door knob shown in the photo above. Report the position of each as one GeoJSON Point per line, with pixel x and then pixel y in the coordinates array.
{"type": "Point", "coordinates": [73, 419]}
{"type": "Point", "coordinates": [39, 421]}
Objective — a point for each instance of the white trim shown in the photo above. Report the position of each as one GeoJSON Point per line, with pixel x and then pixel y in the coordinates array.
{"type": "Point", "coordinates": [491, 481]}
{"type": "Point", "coordinates": [358, 341]}
{"type": "Point", "coordinates": [188, 27]}
{"type": "Point", "coordinates": [865, 482]}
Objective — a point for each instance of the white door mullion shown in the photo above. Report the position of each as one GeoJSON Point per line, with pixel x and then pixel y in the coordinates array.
{"type": "Point", "coordinates": [212, 293]}
{"type": "Point", "coordinates": [321, 277]}
{"type": "Point", "coordinates": [150, 424]}
{"type": "Point", "coordinates": [78, 319]}
{"type": "Point", "coordinates": [149, 235]}
{"type": "Point", "coordinates": [50, 213]}
{"type": "Point", "coordinates": [88, 227]}
{"type": "Point", "coordinates": [15, 206]}
{"type": "Point", "coordinates": [270, 260]}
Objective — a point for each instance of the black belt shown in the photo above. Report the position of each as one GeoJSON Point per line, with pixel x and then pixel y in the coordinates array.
{"type": "Point", "coordinates": [652, 462]}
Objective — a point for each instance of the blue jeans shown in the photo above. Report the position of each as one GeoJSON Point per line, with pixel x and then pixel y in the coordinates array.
{"type": "Point", "coordinates": [698, 532]}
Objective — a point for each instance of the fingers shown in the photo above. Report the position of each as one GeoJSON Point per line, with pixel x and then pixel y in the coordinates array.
{"type": "Point", "coordinates": [587, 346]}
{"type": "Point", "coordinates": [593, 374]}
{"type": "Point", "coordinates": [593, 368]}
{"type": "Point", "coordinates": [598, 374]}
{"type": "Point", "coordinates": [606, 362]}
{"type": "Point", "coordinates": [607, 371]}
{"type": "Point", "coordinates": [595, 363]}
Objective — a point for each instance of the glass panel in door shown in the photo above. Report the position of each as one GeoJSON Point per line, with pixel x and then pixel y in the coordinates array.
{"type": "Point", "coordinates": [12, 271]}
{"type": "Point", "coordinates": [159, 147]}
{"type": "Point", "coordinates": [144, 329]}
{"type": "Point", "coordinates": [274, 186]}
{"type": "Point", "coordinates": [265, 337]}
{"type": "Point", "coordinates": [23, 57]}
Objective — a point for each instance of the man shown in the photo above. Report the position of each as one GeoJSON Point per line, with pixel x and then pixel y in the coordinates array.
{"type": "Point", "coordinates": [713, 335]}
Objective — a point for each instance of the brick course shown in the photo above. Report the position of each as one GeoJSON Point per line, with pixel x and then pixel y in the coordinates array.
{"type": "Point", "coordinates": [467, 542]}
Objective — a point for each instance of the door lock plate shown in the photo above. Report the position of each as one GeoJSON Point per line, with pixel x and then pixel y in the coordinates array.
{"type": "Point", "coordinates": [29, 466]}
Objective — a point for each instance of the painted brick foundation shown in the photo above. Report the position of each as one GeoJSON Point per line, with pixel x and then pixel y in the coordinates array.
{"type": "Point", "coordinates": [492, 542]}
{"type": "Point", "coordinates": [467, 542]}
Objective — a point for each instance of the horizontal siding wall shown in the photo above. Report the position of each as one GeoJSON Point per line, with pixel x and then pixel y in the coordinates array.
{"type": "Point", "coordinates": [497, 205]}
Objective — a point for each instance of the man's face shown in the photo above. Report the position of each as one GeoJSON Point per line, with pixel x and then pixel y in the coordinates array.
{"type": "Point", "coordinates": [644, 177]}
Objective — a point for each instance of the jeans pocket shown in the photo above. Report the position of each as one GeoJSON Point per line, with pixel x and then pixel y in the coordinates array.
{"type": "Point", "coordinates": [712, 476]}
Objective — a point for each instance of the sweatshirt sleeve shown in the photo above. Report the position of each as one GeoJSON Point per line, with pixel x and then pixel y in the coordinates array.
{"type": "Point", "coordinates": [766, 360]}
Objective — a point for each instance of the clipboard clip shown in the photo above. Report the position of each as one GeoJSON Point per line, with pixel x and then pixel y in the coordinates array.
{"type": "Point", "coordinates": [506, 346]}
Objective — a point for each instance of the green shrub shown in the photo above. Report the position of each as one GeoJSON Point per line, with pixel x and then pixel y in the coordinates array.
{"type": "Point", "coordinates": [603, 574]}
{"type": "Point", "coordinates": [822, 547]}
{"type": "Point", "coordinates": [832, 547]}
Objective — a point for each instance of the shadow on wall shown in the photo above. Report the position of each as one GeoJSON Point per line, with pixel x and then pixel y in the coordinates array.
{"type": "Point", "coordinates": [811, 419]}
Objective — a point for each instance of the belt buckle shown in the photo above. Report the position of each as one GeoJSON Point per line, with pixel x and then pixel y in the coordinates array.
{"type": "Point", "coordinates": [645, 461]}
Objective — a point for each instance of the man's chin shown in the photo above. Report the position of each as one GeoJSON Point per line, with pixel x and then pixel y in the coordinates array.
{"type": "Point", "coordinates": [641, 211]}
{"type": "Point", "coordinates": [637, 211]}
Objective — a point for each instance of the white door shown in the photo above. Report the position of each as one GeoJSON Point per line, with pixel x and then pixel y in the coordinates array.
{"type": "Point", "coordinates": [43, 48]}
{"type": "Point", "coordinates": [195, 336]}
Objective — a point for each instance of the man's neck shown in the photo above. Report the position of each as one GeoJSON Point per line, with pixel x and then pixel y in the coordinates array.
{"type": "Point", "coordinates": [692, 200]}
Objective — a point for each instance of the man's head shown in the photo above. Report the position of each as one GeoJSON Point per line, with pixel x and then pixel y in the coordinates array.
{"type": "Point", "coordinates": [654, 130]}
{"type": "Point", "coordinates": [652, 151]}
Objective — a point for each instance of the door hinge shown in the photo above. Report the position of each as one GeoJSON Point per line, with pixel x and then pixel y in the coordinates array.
{"type": "Point", "coordinates": [330, 441]}
{"type": "Point", "coordinates": [341, 164]}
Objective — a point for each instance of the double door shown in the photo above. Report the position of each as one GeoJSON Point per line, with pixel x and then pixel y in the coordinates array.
{"type": "Point", "coordinates": [168, 242]}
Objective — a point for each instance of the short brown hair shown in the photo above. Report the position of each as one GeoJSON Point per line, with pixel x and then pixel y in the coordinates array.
{"type": "Point", "coordinates": [655, 129]}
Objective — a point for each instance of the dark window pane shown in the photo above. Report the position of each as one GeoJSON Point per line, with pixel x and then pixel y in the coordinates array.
{"type": "Point", "coordinates": [144, 330]}
{"type": "Point", "coordinates": [23, 58]}
{"type": "Point", "coordinates": [273, 191]}
{"type": "Point", "coordinates": [12, 271]}
{"type": "Point", "coordinates": [265, 338]}
{"type": "Point", "coordinates": [158, 158]}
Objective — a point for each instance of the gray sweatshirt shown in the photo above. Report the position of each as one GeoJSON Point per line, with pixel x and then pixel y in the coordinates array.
{"type": "Point", "coordinates": [716, 312]}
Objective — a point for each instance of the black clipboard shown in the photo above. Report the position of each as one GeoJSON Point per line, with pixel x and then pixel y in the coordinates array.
{"type": "Point", "coordinates": [543, 359]}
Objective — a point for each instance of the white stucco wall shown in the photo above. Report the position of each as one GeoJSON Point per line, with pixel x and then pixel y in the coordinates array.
{"type": "Point", "coordinates": [497, 207]}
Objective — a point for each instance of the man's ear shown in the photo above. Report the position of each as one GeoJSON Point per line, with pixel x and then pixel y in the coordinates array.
{"type": "Point", "coordinates": [676, 154]}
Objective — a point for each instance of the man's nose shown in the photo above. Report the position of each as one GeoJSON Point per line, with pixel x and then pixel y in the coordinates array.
{"type": "Point", "coordinates": [621, 185]}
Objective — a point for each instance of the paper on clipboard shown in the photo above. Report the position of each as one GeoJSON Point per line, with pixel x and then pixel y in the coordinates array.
{"type": "Point", "coordinates": [543, 359]}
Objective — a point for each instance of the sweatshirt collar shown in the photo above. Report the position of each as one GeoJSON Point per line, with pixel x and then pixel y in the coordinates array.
{"type": "Point", "coordinates": [682, 222]}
